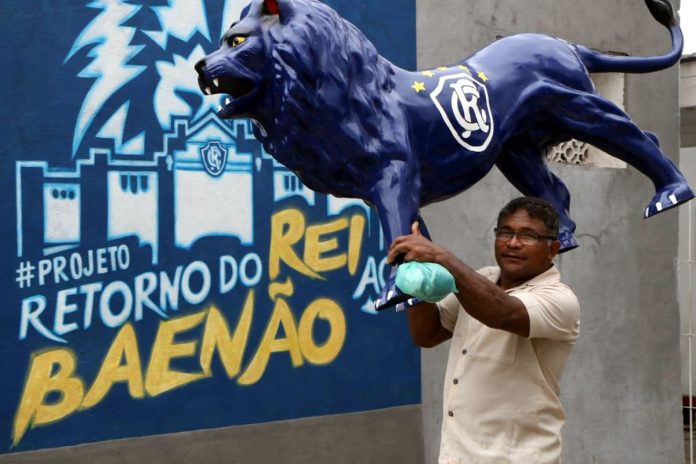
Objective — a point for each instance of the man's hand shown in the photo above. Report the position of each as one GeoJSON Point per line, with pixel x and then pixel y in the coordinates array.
{"type": "Point", "coordinates": [483, 299]}
{"type": "Point", "coordinates": [423, 318]}
{"type": "Point", "coordinates": [415, 247]}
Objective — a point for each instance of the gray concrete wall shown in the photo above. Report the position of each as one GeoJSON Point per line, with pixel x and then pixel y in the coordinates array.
{"type": "Point", "coordinates": [377, 437]}
{"type": "Point", "coordinates": [687, 100]}
{"type": "Point", "coordinates": [621, 387]}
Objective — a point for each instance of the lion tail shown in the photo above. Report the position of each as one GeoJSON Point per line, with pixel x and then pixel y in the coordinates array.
{"type": "Point", "coordinates": [663, 12]}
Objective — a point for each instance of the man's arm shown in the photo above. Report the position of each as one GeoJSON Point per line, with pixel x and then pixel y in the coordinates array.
{"type": "Point", "coordinates": [425, 327]}
{"type": "Point", "coordinates": [482, 299]}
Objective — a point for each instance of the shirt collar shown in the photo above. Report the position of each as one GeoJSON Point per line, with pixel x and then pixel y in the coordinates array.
{"type": "Point", "coordinates": [549, 276]}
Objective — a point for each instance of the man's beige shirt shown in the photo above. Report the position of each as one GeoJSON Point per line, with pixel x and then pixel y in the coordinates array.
{"type": "Point", "coordinates": [501, 394]}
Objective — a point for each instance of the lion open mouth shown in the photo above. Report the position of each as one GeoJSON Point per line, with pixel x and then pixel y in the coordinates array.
{"type": "Point", "coordinates": [236, 87]}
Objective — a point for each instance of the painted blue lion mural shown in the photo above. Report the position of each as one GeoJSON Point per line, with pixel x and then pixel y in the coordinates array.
{"type": "Point", "coordinates": [350, 123]}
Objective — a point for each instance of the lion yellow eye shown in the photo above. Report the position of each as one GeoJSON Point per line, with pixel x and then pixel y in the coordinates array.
{"type": "Point", "coordinates": [238, 41]}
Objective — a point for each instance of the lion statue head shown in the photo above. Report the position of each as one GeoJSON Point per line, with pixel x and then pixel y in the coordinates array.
{"type": "Point", "coordinates": [301, 72]}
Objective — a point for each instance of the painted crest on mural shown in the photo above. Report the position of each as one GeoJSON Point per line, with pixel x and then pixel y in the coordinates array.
{"type": "Point", "coordinates": [465, 108]}
{"type": "Point", "coordinates": [214, 156]}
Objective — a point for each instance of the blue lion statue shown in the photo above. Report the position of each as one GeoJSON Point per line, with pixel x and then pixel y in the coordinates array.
{"type": "Point", "coordinates": [350, 123]}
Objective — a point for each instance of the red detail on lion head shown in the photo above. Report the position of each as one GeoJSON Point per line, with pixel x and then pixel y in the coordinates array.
{"type": "Point", "coordinates": [271, 7]}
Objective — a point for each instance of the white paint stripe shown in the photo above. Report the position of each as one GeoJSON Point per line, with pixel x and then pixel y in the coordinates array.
{"type": "Point", "coordinates": [658, 205]}
{"type": "Point", "coordinates": [647, 211]}
{"type": "Point", "coordinates": [673, 197]}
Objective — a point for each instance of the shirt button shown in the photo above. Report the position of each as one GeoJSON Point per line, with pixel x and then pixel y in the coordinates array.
{"type": "Point", "coordinates": [456, 381]}
{"type": "Point", "coordinates": [464, 351]}
{"type": "Point", "coordinates": [450, 413]}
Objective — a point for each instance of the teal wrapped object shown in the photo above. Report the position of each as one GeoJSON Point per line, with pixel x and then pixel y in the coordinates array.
{"type": "Point", "coordinates": [429, 282]}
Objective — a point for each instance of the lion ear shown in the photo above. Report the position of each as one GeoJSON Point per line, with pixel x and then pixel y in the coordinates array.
{"type": "Point", "coordinates": [282, 8]}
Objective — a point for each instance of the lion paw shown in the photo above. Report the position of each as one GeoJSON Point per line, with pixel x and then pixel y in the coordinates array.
{"type": "Point", "coordinates": [567, 240]}
{"type": "Point", "coordinates": [392, 296]}
{"type": "Point", "coordinates": [669, 197]}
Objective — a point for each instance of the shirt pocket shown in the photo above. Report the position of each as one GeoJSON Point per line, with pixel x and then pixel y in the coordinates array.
{"type": "Point", "coordinates": [494, 346]}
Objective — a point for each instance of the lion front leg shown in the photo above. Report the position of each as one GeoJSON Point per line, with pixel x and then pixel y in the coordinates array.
{"type": "Point", "coordinates": [396, 196]}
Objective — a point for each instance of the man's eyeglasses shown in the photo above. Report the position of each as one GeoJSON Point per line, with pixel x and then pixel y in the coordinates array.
{"type": "Point", "coordinates": [525, 238]}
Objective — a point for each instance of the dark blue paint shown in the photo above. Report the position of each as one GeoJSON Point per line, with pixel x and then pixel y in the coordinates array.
{"type": "Point", "coordinates": [352, 124]}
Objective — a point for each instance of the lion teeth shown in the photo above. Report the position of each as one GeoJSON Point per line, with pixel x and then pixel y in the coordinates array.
{"type": "Point", "coordinates": [207, 91]}
{"type": "Point", "coordinates": [216, 81]}
{"type": "Point", "coordinates": [227, 101]}
{"type": "Point", "coordinates": [219, 108]}
{"type": "Point", "coordinates": [259, 127]}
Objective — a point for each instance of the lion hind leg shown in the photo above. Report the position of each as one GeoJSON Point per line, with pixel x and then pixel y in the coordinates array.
{"type": "Point", "coordinates": [595, 120]}
{"type": "Point", "coordinates": [524, 166]}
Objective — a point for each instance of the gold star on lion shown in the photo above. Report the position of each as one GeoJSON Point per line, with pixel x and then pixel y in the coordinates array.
{"type": "Point", "coordinates": [443, 68]}
{"type": "Point", "coordinates": [418, 86]}
{"type": "Point", "coordinates": [482, 76]}
{"type": "Point", "coordinates": [461, 66]}
{"type": "Point", "coordinates": [428, 73]}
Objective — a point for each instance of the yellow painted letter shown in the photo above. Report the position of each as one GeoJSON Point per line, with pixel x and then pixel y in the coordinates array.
{"type": "Point", "coordinates": [315, 247]}
{"type": "Point", "coordinates": [270, 344]}
{"type": "Point", "coordinates": [287, 228]}
{"type": "Point", "coordinates": [217, 335]}
{"type": "Point", "coordinates": [51, 371]}
{"type": "Point", "coordinates": [331, 312]}
{"type": "Point", "coordinates": [357, 228]}
{"type": "Point", "coordinates": [124, 346]}
{"type": "Point", "coordinates": [160, 378]}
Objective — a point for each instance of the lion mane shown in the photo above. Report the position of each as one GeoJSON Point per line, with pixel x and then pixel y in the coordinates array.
{"type": "Point", "coordinates": [319, 60]}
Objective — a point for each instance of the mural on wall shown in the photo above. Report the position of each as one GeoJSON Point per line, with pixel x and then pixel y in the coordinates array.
{"type": "Point", "coordinates": [161, 271]}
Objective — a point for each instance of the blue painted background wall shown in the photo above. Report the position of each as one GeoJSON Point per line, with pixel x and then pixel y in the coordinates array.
{"type": "Point", "coordinates": [136, 226]}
